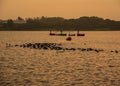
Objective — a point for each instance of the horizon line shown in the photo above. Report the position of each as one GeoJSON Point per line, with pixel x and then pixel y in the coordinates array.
{"type": "Point", "coordinates": [56, 17]}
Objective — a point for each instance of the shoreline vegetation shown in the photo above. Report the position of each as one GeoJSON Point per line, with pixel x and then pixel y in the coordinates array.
{"type": "Point", "coordinates": [84, 23]}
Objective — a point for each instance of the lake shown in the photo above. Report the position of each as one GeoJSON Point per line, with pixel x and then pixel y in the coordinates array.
{"type": "Point", "coordinates": [38, 67]}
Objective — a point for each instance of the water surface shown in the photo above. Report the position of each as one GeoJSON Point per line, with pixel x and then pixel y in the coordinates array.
{"type": "Point", "coordinates": [34, 67]}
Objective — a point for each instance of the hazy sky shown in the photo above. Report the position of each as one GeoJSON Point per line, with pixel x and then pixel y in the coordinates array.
{"type": "Point", "coordinates": [62, 8]}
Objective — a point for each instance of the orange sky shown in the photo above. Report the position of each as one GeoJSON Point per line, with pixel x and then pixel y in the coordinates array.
{"type": "Point", "coordinates": [62, 8]}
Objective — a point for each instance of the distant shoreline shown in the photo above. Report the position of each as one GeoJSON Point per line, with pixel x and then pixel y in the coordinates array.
{"type": "Point", "coordinates": [84, 23]}
{"type": "Point", "coordinates": [55, 30]}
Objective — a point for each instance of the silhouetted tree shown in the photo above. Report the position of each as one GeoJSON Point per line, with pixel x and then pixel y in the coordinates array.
{"type": "Point", "coordinates": [10, 23]}
{"type": "Point", "coordinates": [20, 18]}
{"type": "Point", "coordinates": [59, 23]}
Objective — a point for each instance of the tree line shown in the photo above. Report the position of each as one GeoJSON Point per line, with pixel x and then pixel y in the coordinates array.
{"type": "Point", "coordinates": [59, 23]}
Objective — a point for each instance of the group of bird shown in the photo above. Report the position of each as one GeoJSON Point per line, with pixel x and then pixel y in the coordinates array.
{"type": "Point", "coordinates": [55, 46]}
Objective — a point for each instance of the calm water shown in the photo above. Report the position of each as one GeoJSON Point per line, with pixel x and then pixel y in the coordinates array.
{"type": "Point", "coordinates": [33, 67]}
